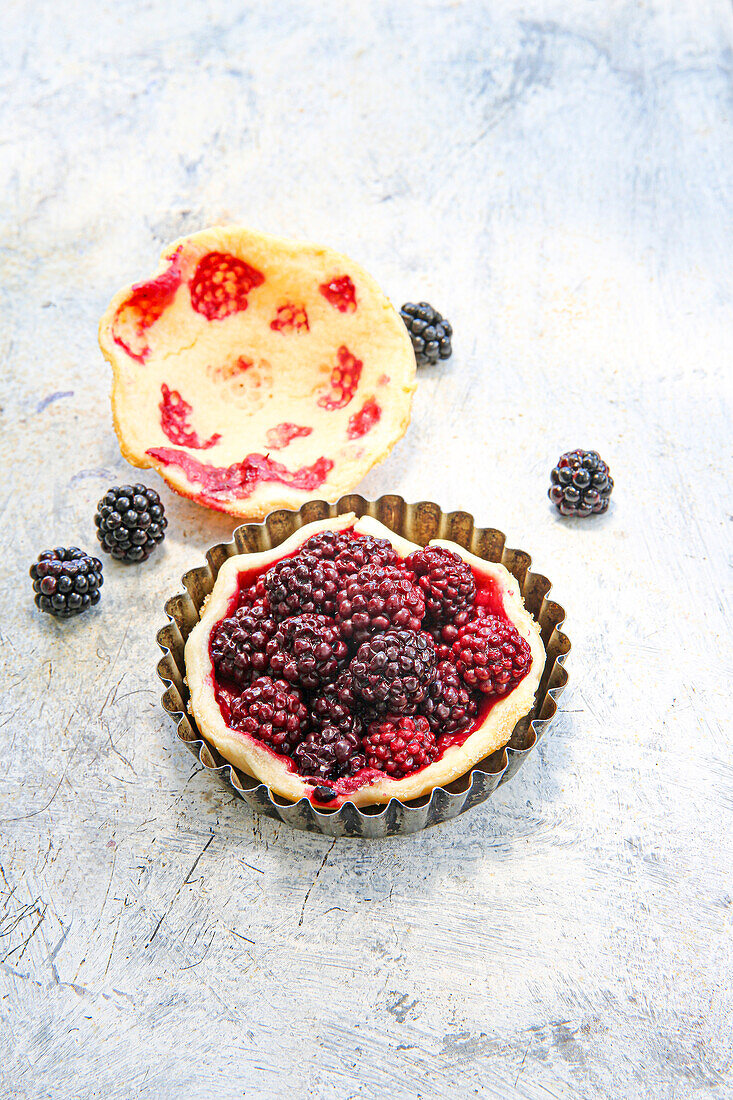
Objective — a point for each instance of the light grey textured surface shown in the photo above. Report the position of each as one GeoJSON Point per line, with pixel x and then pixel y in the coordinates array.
{"type": "Point", "coordinates": [556, 176]}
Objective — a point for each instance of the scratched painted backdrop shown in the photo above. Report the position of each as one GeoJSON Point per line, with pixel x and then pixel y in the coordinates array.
{"type": "Point", "coordinates": [556, 176]}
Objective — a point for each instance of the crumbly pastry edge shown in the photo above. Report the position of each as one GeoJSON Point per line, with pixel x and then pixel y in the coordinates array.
{"type": "Point", "coordinates": [249, 756]}
{"type": "Point", "coordinates": [267, 496]}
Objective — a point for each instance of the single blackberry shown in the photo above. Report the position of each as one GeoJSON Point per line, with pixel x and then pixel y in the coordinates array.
{"type": "Point", "coordinates": [130, 522]}
{"type": "Point", "coordinates": [378, 598]}
{"type": "Point", "coordinates": [362, 551]}
{"type": "Point", "coordinates": [351, 552]}
{"type": "Point", "coordinates": [66, 581]}
{"type": "Point", "coordinates": [238, 644]}
{"type": "Point", "coordinates": [329, 753]}
{"type": "Point", "coordinates": [301, 585]}
{"type": "Point", "coordinates": [581, 484]}
{"type": "Point", "coordinates": [336, 706]}
{"type": "Point", "coordinates": [326, 544]}
{"type": "Point", "coordinates": [491, 656]}
{"type": "Point", "coordinates": [429, 333]}
{"type": "Point", "coordinates": [307, 650]}
{"type": "Point", "coordinates": [399, 745]}
{"type": "Point", "coordinates": [446, 582]}
{"type": "Point", "coordinates": [272, 711]}
{"type": "Point", "coordinates": [392, 671]}
{"type": "Point", "coordinates": [449, 707]}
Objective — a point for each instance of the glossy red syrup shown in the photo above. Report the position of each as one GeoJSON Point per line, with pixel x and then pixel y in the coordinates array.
{"type": "Point", "coordinates": [143, 308]}
{"type": "Point", "coordinates": [341, 293]}
{"type": "Point", "coordinates": [342, 788]}
{"type": "Point", "coordinates": [290, 318]}
{"type": "Point", "coordinates": [175, 416]}
{"type": "Point", "coordinates": [278, 437]}
{"type": "Point", "coordinates": [224, 695]}
{"type": "Point", "coordinates": [220, 285]}
{"type": "Point", "coordinates": [363, 421]}
{"type": "Point", "coordinates": [239, 480]}
{"type": "Point", "coordinates": [344, 380]}
{"type": "Point", "coordinates": [489, 600]}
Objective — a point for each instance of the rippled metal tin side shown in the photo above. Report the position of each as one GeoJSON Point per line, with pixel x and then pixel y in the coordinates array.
{"type": "Point", "coordinates": [418, 522]}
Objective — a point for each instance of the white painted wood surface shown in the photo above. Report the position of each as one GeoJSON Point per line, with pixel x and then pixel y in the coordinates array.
{"type": "Point", "coordinates": [556, 176]}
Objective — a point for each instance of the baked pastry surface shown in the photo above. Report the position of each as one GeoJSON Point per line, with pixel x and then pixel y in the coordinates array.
{"type": "Point", "coordinates": [254, 372]}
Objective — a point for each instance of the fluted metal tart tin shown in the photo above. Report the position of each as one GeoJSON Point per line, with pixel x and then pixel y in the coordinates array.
{"type": "Point", "coordinates": [419, 523]}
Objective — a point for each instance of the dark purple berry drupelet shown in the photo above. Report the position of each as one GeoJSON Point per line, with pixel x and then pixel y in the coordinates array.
{"type": "Point", "coordinates": [303, 584]}
{"type": "Point", "coordinates": [130, 522]}
{"type": "Point", "coordinates": [349, 552]}
{"type": "Point", "coordinates": [307, 650]}
{"type": "Point", "coordinates": [363, 551]}
{"type": "Point", "coordinates": [581, 484]}
{"type": "Point", "coordinates": [398, 745]}
{"type": "Point", "coordinates": [330, 753]}
{"type": "Point", "coordinates": [429, 332]}
{"type": "Point", "coordinates": [392, 671]}
{"type": "Point", "coordinates": [272, 711]}
{"type": "Point", "coordinates": [379, 598]}
{"type": "Point", "coordinates": [239, 643]}
{"type": "Point", "coordinates": [491, 656]}
{"type": "Point", "coordinates": [66, 581]}
{"type": "Point", "coordinates": [449, 707]}
{"type": "Point", "coordinates": [446, 582]}
{"type": "Point", "coordinates": [336, 706]}
{"type": "Point", "coordinates": [326, 545]}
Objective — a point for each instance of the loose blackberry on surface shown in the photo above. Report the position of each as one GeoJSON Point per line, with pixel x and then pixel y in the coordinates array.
{"type": "Point", "coordinates": [429, 332]}
{"type": "Point", "coordinates": [399, 745]}
{"type": "Point", "coordinates": [581, 484]}
{"type": "Point", "coordinates": [392, 671]}
{"type": "Point", "coordinates": [66, 581]}
{"type": "Point", "coordinates": [378, 598]}
{"type": "Point", "coordinates": [491, 656]}
{"type": "Point", "coordinates": [130, 522]}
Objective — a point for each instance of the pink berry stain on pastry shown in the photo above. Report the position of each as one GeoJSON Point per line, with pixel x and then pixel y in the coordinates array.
{"type": "Point", "coordinates": [243, 344]}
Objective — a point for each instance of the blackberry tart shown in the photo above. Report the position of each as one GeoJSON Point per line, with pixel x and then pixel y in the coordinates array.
{"type": "Point", "coordinates": [445, 661]}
